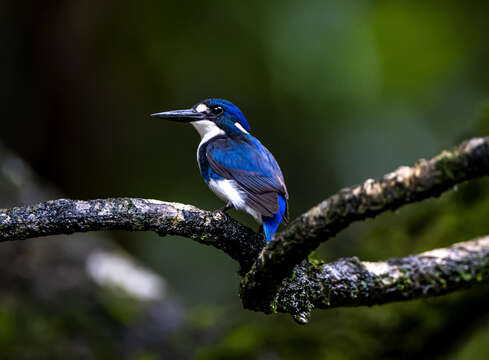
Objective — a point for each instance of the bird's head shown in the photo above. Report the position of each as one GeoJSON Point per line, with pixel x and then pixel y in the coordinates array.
{"type": "Point", "coordinates": [211, 117]}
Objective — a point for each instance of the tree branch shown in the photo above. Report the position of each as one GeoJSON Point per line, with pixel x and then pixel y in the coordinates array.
{"type": "Point", "coordinates": [403, 186]}
{"type": "Point", "coordinates": [66, 216]}
{"type": "Point", "coordinates": [345, 282]}
{"type": "Point", "coordinates": [351, 282]}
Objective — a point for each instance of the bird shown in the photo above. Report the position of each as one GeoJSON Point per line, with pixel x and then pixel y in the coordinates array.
{"type": "Point", "coordinates": [234, 164]}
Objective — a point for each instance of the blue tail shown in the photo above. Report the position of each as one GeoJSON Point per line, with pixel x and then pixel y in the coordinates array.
{"type": "Point", "coordinates": [270, 224]}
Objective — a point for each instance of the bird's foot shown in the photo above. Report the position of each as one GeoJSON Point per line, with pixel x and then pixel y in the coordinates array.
{"type": "Point", "coordinates": [224, 209]}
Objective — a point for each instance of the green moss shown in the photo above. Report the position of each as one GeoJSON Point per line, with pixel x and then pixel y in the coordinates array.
{"type": "Point", "coordinates": [314, 261]}
{"type": "Point", "coordinates": [466, 276]}
{"type": "Point", "coordinates": [205, 237]}
{"type": "Point", "coordinates": [404, 282]}
{"type": "Point", "coordinates": [201, 238]}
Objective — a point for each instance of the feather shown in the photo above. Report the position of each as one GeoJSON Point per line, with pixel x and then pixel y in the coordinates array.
{"type": "Point", "coordinates": [245, 160]}
{"type": "Point", "coordinates": [270, 224]}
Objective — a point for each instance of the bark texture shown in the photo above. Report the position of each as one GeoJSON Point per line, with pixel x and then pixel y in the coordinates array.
{"type": "Point", "coordinates": [427, 178]}
{"type": "Point", "coordinates": [351, 282]}
{"type": "Point", "coordinates": [280, 278]}
{"type": "Point", "coordinates": [65, 216]}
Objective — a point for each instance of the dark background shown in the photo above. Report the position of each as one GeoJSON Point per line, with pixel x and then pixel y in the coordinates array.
{"type": "Point", "coordinates": [338, 91]}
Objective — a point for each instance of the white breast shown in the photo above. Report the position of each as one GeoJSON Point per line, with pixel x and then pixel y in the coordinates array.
{"type": "Point", "coordinates": [229, 191]}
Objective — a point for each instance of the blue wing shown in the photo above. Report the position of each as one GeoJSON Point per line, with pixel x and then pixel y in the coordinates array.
{"type": "Point", "coordinates": [245, 160]}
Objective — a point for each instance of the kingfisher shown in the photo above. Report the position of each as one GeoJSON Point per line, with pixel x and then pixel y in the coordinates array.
{"type": "Point", "coordinates": [234, 164]}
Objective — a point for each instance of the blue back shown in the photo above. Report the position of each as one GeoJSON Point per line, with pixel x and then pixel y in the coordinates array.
{"type": "Point", "coordinates": [246, 161]}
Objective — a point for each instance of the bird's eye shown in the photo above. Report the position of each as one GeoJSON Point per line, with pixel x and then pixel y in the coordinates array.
{"type": "Point", "coordinates": [217, 110]}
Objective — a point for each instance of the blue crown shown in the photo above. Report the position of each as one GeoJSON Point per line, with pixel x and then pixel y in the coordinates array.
{"type": "Point", "coordinates": [230, 110]}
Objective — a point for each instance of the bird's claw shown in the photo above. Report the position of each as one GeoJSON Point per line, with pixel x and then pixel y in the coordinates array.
{"type": "Point", "coordinates": [223, 210]}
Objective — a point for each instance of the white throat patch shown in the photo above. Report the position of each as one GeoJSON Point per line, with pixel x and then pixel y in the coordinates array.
{"type": "Point", "coordinates": [207, 129]}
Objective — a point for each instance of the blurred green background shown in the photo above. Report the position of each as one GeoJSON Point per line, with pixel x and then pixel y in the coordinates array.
{"type": "Point", "coordinates": [339, 91]}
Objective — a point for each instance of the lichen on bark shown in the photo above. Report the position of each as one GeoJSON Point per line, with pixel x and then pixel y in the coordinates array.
{"type": "Point", "coordinates": [282, 278]}
{"type": "Point", "coordinates": [351, 282]}
{"type": "Point", "coordinates": [427, 178]}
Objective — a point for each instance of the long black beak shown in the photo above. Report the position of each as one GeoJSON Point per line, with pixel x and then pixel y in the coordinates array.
{"type": "Point", "coordinates": [187, 115]}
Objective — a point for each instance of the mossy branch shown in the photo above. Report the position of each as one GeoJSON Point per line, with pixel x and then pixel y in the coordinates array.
{"type": "Point", "coordinates": [66, 216]}
{"type": "Point", "coordinates": [264, 288]}
{"type": "Point", "coordinates": [427, 178]}
{"type": "Point", "coordinates": [351, 282]}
